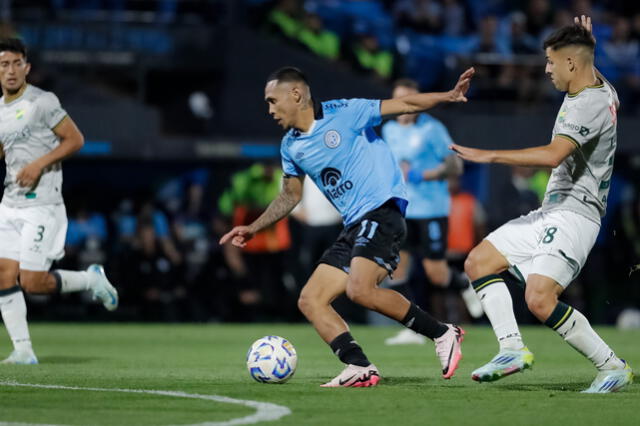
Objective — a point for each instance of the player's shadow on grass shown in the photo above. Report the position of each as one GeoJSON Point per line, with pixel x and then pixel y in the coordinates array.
{"type": "Point", "coordinates": [67, 359]}
{"type": "Point", "coordinates": [410, 381]}
{"type": "Point", "coordinates": [557, 387]}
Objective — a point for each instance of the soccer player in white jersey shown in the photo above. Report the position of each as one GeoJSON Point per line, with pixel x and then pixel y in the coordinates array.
{"type": "Point", "coordinates": [547, 248]}
{"type": "Point", "coordinates": [36, 134]}
{"type": "Point", "coordinates": [334, 143]}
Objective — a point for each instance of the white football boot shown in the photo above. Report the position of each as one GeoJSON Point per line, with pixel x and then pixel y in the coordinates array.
{"type": "Point", "coordinates": [102, 288]}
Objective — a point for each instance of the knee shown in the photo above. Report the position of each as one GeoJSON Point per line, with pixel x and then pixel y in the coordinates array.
{"type": "Point", "coordinates": [472, 265]}
{"type": "Point", "coordinates": [305, 304]}
{"type": "Point", "coordinates": [541, 305]}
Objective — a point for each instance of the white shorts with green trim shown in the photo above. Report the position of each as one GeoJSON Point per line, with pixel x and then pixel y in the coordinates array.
{"type": "Point", "coordinates": [553, 243]}
{"type": "Point", "coordinates": [33, 236]}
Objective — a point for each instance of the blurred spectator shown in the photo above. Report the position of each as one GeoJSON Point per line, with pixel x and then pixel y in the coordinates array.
{"type": "Point", "coordinates": [423, 16]}
{"type": "Point", "coordinates": [539, 16]}
{"type": "Point", "coordinates": [286, 18]}
{"type": "Point", "coordinates": [153, 282]}
{"type": "Point", "coordinates": [585, 7]}
{"type": "Point", "coordinates": [152, 216]}
{"type": "Point", "coordinates": [620, 62]}
{"type": "Point", "coordinates": [317, 39]}
{"type": "Point", "coordinates": [262, 264]}
{"type": "Point", "coordinates": [522, 43]}
{"type": "Point", "coordinates": [490, 41]}
{"type": "Point", "coordinates": [455, 18]}
{"type": "Point", "coordinates": [85, 225]}
{"type": "Point", "coordinates": [86, 238]}
{"type": "Point", "coordinates": [561, 18]}
{"type": "Point", "coordinates": [369, 57]}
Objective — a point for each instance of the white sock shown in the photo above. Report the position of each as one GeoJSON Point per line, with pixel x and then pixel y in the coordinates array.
{"type": "Point", "coordinates": [575, 329]}
{"type": "Point", "coordinates": [498, 306]}
{"type": "Point", "coordinates": [14, 315]}
{"type": "Point", "coordinates": [72, 281]}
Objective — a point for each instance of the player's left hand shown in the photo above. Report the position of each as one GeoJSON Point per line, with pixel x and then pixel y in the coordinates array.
{"type": "Point", "coordinates": [585, 22]}
{"type": "Point", "coordinates": [462, 86]}
{"type": "Point", "coordinates": [472, 154]}
{"type": "Point", "coordinates": [29, 174]}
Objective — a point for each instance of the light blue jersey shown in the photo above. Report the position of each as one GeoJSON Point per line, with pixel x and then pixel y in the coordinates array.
{"type": "Point", "coordinates": [347, 160]}
{"type": "Point", "coordinates": [424, 145]}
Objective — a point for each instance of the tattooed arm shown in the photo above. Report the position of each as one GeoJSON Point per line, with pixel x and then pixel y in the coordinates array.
{"type": "Point", "coordinates": [288, 198]}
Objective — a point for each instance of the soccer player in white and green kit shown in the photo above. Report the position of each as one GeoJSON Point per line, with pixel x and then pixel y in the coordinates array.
{"type": "Point", "coordinates": [36, 134]}
{"type": "Point", "coordinates": [547, 248]}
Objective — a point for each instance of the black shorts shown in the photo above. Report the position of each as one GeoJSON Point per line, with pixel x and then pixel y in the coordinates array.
{"type": "Point", "coordinates": [427, 237]}
{"type": "Point", "coordinates": [376, 236]}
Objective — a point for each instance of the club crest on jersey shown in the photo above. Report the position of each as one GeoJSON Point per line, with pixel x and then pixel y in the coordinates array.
{"type": "Point", "coordinates": [332, 139]}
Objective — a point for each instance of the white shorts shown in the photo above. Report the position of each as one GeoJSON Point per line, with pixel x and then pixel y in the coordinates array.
{"type": "Point", "coordinates": [552, 243]}
{"type": "Point", "coordinates": [33, 236]}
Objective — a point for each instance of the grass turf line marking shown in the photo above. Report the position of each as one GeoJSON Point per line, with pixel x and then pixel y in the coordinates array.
{"type": "Point", "coordinates": [265, 411]}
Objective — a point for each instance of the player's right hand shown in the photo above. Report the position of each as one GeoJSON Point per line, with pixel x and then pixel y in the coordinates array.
{"type": "Point", "coordinates": [239, 236]}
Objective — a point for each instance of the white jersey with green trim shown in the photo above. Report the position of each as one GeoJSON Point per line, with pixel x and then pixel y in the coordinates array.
{"type": "Point", "coordinates": [26, 134]}
{"type": "Point", "coordinates": [581, 182]}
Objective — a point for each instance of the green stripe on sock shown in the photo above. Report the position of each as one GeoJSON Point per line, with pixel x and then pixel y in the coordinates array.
{"type": "Point", "coordinates": [559, 316]}
{"type": "Point", "coordinates": [483, 282]}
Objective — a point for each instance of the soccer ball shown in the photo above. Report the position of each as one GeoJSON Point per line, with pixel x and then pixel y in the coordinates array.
{"type": "Point", "coordinates": [272, 359]}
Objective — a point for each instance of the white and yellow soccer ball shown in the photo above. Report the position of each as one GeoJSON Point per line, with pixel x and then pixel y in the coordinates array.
{"type": "Point", "coordinates": [272, 359]}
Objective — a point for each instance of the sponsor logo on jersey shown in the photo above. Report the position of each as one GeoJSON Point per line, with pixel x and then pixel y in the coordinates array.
{"type": "Point", "coordinates": [336, 105]}
{"type": "Point", "coordinates": [332, 139]}
{"type": "Point", "coordinates": [582, 130]}
{"type": "Point", "coordinates": [333, 187]}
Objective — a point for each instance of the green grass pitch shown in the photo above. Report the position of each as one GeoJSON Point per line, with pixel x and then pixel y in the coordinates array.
{"type": "Point", "coordinates": [210, 360]}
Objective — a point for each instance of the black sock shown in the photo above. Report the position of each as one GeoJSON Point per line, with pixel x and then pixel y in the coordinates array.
{"type": "Point", "coordinates": [423, 323]}
{"type": "Point", "coordinates": [349, 352]}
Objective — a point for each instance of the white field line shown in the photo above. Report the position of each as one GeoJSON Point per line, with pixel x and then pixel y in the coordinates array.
{"type": "Point", "coordinates": [265, 411]}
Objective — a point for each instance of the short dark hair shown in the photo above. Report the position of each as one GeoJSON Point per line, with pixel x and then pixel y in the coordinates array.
{"type": "Point", "coordinates": [288, 75]}
{"type": "Point", "coordinates": [406, 82]}
{"type": "Point", "coordinates": [570, 35]}
{"type": "Point", "coordinates": [14, 45]}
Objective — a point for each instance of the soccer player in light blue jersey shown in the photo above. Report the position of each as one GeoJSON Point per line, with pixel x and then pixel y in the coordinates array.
{"type": "Point", "coordinates": [421, 143]}
{"type": "Point", "coordinates": [334, 143]}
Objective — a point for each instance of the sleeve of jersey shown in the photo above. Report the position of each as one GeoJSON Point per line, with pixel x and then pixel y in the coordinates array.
{"type": "Point", "coordinates": [51, 112]}
{"type": "Point", "coordinates": [289, 168]}
{"type": "Point", "coordinates": [579, 124]}
{"type": "Point", "coordinates": [364, 113]}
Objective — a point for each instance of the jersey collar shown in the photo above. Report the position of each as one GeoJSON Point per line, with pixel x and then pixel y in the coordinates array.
{"type": "Point", "coordinates": [317, 110]}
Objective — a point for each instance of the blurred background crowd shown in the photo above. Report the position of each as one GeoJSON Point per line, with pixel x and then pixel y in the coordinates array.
{"type": "Point", "coordinates": [180, 148]}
